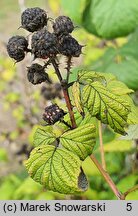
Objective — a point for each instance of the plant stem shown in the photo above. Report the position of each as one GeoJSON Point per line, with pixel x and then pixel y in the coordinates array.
{"type": "Point", "coordinates": [101, 145]}
{"type": "Point", "coordinates": [107, 178]}
{"type": "Point", "coordinates": [65, 92]}
{"type": "Point", "coordinates": [68, 67]}
{"type": "Point", "coordinates": [130, 191]}
{"type": "Point", "coordinates": [55, 65]}
{"type": "Point", "coordinates": [69, 106]}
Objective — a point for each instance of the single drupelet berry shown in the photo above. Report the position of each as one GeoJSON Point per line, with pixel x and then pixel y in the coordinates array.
{"type": "Point", "coordinates": [16, 47]}
{"type": "Point", "coordinates": [53, 114]}
{"type": "Point", "coordinates": [36, 74]}
{"type": "Point", "coordinates": [33, 19]}
{"type": "Point", "coordinates": [63, 25]}
{"type": "Point", "coordinates": [44, 44]}
{"type": "Point", "coordinates": [68, 46]}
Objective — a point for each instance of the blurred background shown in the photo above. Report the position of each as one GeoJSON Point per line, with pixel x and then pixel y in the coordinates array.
{"type": "Point", "coordinates": [22, 104]}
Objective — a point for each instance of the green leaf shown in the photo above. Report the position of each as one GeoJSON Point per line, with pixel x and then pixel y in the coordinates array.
{"type": "Point", "coordinates": [80, 141]}
{"type": "Point", "coordinates": [56, 169]}
{"type": "Point", "coordinates": [44, 135]}
{"type": "Point", "coordinates": [76, 97]}
{"type": "Point", "coordinates": [109, 108]}
{"type": "Point", "coordinates": [121, 62]}
{"type": "Point", "coordinates": [74, 9]}
{"type": "Point", "coordinates": [87, 77]}
{"type": "Point", "coordinates": [87, 20]}
{"type": "Point", "coordinates": [118, 88]}
{"type": "Point", "coordinates": [133, 115]}
{"type": "Point", "coordinates": [118, 146]}
{"type": "Point", "coordinates": [127, 182]}
{"type": "Point", "coordinates": [114, 18]}
{"type": "Point", "coordinates": [28, 187]}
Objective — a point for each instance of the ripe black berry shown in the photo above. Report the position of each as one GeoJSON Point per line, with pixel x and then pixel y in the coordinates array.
{"type": "Point", "coordinates": [63, 25]}
{"type": "Point", "coordinates": [36, 74]}
{"type": "Point", "coordinates": [53, 114]}
{"type": "Point", "coordinates": [68, 46]}
{"type": "Point", "coordinates": [33, 19]}
{"type": "Point", "coordinates": [16, 47]}
{"type": "Point", "coordinates": [44, 44]}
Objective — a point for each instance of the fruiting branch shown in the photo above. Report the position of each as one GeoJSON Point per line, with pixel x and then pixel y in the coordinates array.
{"type": "Point", "coordinates": [65, 92]}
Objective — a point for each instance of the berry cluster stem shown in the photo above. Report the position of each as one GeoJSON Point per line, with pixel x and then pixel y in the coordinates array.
{"type": "Point", "coordinates": [68, 67]}
{"type": "Point", "coordinates": [65, 92]}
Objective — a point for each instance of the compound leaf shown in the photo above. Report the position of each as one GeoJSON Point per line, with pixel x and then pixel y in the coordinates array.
{"type": "Point", "coordinates": [44, 135]}
{"type": "Point", "coordinates": [106, 106]}
{"type": "Point", "coordinates": [81, 140]}
{"type": "Point", "coordinates": [56, 169]}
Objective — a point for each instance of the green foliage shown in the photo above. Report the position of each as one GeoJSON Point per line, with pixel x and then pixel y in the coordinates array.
{"type": "Point", "coordinates": [74, 9]}
{"type": "Point", "coordinates": [60, 151]}
{"type": "Point", "coordinates": [122, 62]}
{"type": "Point", "coordinates": [3, 155]}
{"type": "Point", "coordinates": [44, 135]}
{"type": "Point", "coordinates": [106, 19]}
{"type": "Point", "coordinates": [76, 97]}
{"type": "Point", "coordinates": [56, 169]}
{"type": "Point", "coordinates": [8, 187]}
{"type": "Point", "coordinates": [102, 103]}
{"type": "Point", "coordinates": [80, 140]}
{"type": "Point", "coordinates": [113, 19]}
{"type": "Point", "coordinates": [118, 145]}
{"type": "Point", "coordinates": [127, 182]}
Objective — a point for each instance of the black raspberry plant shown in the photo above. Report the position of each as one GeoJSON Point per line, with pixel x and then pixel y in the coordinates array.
{"type": "Point", "coordinates": [69, 135]}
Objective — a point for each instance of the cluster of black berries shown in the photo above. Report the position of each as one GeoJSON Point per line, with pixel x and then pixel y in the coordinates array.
{"type": "Point", "coordinates": [45, 45]}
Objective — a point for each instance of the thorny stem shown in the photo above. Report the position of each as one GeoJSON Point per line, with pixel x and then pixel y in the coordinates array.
{"type": "Point", "coordinates": [65, 92]}
{"type": "Point", "coordinates": [69, 106]}
{"type": "Point", "coordinates": [101, 145]}
{"type": "Point", "coordinates": [68, 67]}
{"type": "Point", "coordinates": [107, 178]}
